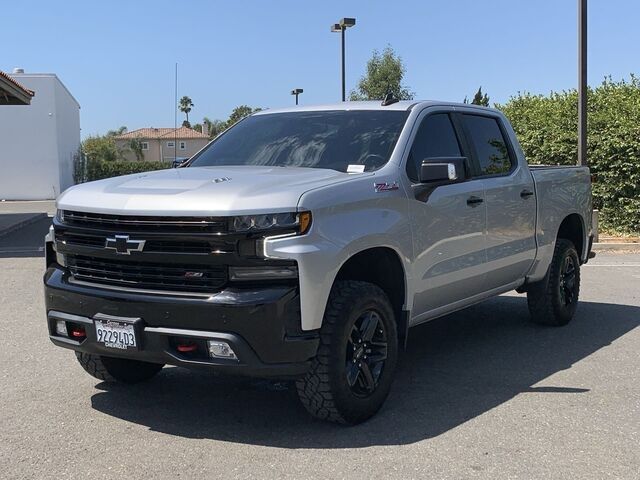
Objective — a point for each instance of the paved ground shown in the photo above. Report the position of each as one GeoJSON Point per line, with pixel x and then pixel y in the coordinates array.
{"type": "Point", "coordinates": [479, 394]}
{"type": "Point", "coordinates": [36, 206]}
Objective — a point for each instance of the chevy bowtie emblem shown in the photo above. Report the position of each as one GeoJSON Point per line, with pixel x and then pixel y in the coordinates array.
{"type": "Point", "coordinates": [123, 245]}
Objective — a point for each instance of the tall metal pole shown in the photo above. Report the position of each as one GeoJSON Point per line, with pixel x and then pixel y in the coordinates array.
{"type": "Point", "coordinates": [582, 83]}
{"type": "Point", "coordinates": [175, 119]}
{"type": "Point", "coordinates": [296, 99]}
{"type": "Point", "coordinates": [344, 95]}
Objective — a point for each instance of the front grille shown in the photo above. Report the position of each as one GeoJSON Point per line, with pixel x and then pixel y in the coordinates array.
{"type": "Point", "coordinates": [148, 276]}
{"type": "Point", "coordinates": [194, 247]}
{"type": "Point", "coordinates": [134, 223]}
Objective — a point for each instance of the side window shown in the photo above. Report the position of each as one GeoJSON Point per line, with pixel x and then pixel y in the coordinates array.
{"type": "Point", "coordinates": [490, 144]}
{"type": "Point", "coordinates": [435, 138]}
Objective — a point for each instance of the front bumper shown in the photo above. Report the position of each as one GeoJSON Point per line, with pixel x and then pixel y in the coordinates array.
{"type": "Point", "coordinates": [262, 325]}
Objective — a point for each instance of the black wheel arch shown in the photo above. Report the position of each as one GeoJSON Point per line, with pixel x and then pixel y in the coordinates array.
{"type": "Point", "coordinates": [381, 266]}
{"type": "Point", "coordinates": [572, 228]}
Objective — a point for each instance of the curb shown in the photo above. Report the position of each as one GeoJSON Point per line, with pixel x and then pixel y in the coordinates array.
{"type": "Point", "coordinates": [617, 247]}
{"type": "Point", "coordinates": [27, 221]}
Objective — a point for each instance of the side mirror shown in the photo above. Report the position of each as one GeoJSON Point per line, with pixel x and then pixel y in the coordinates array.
{"type": "Point", "coordinates": [443, 169]}
{"type": "Point", "coordinates": [179, 162]}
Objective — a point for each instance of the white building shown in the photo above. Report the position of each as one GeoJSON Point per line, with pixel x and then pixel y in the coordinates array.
{"type": "Point", "coordinates": [38, 142]}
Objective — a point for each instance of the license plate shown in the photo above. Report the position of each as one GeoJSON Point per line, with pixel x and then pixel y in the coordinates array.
{"type": "Point", "coordinates": [113, 334]}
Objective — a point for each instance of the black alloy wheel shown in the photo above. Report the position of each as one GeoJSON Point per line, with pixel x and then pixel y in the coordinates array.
{"type": "Point", "coordinates": [568, 281]}
{"type": "Point", "coordinates": [366, 353]}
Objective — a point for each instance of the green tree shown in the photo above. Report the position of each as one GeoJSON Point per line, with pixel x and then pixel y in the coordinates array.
{"type": "Point", "coordinates": [384, 75]}
{"type": "Point", "coordinates": [117, 131]}
{"type": "Point", "coordinates": [100, 147]}
{"type": "Point", "coordinates": [135, 145]}
{"type": "Point", "coordinates": [547, 131]}
{"type": "Point", "coordinates": [479, 98]}
{"type": "Point", "coordinates": [185, 104]}
{"type": "Point", "coordinates": [239, 113]}
{"type": "Point", "coordinates": [215, 127]}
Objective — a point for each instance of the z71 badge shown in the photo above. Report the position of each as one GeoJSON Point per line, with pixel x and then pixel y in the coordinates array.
{"type": "Point", "coordinates": [385, 187]}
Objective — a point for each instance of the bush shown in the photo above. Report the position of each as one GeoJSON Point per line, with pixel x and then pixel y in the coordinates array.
{"type": "Point", "coordinates": [99, 169]}
{"type": "Point", "coordinates": [100, 147]}
{"type": "Point", "coordinates": [547, 130]}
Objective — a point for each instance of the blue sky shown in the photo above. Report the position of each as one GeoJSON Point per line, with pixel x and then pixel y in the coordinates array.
{"type": "Point", "coordinates": [117, 57]}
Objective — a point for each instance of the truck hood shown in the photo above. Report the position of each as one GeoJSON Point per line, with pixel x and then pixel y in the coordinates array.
{"type": "Point", "coordinates": [199, 191]}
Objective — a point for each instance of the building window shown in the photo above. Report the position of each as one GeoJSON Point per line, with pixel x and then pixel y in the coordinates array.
{"type": "Point", "coordinates": [144, 145]}
{"type": "Point", "coordinates": [171, 144]}
{"type": "Point", "coordinates": [183, 145]}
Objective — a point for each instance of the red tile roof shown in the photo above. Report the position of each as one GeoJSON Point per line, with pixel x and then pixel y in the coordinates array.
{"type": "Point", "coordinates": [7, 79]}
{"type": "Point", "coordinates": [160, 133]}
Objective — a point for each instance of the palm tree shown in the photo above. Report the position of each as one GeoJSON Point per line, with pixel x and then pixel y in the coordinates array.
{"type": "Point", "coordinates": [135, 145]}
{"type": "Point", "coordinates": [185, 105]}
{"type": "Point", "coordinates": [117, 131]}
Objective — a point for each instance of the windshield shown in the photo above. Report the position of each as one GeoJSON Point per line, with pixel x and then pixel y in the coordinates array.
{"type": "Point", "coordinates": [328, 139]}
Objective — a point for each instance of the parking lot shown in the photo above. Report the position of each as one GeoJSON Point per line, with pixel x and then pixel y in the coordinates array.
{"type": "Point", "coordinates": [479, 394]}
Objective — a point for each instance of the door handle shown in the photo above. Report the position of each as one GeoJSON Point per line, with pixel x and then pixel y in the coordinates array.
{"type": "Point", "coordinates": [474, 201]}
{"type": "Point", "coordinates": [526, 193]}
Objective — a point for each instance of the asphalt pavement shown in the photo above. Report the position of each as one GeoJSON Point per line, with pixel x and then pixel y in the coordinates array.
{"type": "Point", "coordinates": [479, 394]}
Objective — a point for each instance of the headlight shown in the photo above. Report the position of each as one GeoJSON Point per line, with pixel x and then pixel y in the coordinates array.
{"type": "Point", "coordinates": [300, 222]}
{"type": "Point", "coordinates": [60, 215]}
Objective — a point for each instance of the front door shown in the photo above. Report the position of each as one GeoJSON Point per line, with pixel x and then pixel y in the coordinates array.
{"type": "Point", "coordinates": [449, 223]}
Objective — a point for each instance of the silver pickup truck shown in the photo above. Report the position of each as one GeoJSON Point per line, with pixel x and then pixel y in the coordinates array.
{"type": "Point", "coordinates": [303, 243]}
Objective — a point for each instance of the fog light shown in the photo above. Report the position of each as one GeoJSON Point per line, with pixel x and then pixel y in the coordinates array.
{"type": "Point", "coordinates": [61, 328]}
{"type": "Point", "coordinates": [240, 274]}
{"type": "Point", "coordinates": [219, 349]}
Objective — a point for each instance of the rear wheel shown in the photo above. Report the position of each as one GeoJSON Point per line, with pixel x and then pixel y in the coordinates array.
{"type": "Point", "coordinates": [110, 369]}
{"type": "Point", "coordinates": [553, 300]}
{"type": "Point", "coordinates": [351, 375]}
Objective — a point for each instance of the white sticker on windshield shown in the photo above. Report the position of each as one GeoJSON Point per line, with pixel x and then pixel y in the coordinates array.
{"type": "Point", "coordinates": [355, 169]}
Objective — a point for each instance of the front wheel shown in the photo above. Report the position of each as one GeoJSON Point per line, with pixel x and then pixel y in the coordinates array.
{"type": "Point", "coordinates": [553, 300]}
{"type": "Point", "coordinates": [110, 369]}
{"type": "Point", "coordinates": [352, 373]}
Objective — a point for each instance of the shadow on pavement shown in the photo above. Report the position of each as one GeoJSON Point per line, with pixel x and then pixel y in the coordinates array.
{"type": "Point", "coordinates": [456, 368]}
{"type": "Point", "coordinates": [27, 241]}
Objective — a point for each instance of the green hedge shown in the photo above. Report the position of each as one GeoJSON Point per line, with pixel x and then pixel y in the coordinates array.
{"type": "Point", "coordinates": [99, 169]}
{"type": "Point", "coordinates": [547, 130]}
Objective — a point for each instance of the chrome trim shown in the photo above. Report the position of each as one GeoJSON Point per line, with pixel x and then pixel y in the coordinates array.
{"type": "Point", "coordinates": [165, 293]}
{"type": "Point", "coordinates": [98, 218]}
{"type": "Point", "coordinates": [114, 318]}
{"type": "Point", "coordinates": [179, 332]}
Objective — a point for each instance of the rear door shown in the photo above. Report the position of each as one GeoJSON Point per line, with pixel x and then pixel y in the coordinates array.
{"type": "Point", "coordinates": [509, 198]}
{"type": "Point", "coordinates": [448, 223]}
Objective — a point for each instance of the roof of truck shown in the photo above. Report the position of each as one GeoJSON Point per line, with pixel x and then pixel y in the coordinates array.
{"type": "Point", "coordinates": [402, 105]}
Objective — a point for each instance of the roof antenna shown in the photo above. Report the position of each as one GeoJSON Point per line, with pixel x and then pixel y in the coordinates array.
{"type": "Point", "coordinates": [389, 99]}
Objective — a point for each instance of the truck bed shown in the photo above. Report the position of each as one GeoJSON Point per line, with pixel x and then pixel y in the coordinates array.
{"type": "Point", "coordinates": [560, 191]}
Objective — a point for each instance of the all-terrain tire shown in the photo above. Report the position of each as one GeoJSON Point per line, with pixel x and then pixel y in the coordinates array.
{"type": "Point", "coordinates": [553, 300]}
{"type": "Point", "coordinates": [110, 369]}
{"type": "Point", "coordinates": [330, 390]}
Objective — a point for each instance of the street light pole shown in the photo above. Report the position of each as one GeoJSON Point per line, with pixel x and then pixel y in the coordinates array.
{"type": "Point", "coordinates": [296, 92]}
{"type": "Point", "coordinates": [342, 27]}
{"type": "Point", "coordinates": [582, 82]}
{"type": "Point", "coordinates": [344, 83]}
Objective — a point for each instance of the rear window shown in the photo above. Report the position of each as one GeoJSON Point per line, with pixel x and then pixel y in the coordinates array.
{"type": "Point", "coordinates": [330, 139]}
{"type": "Point", "coordinates": [490, 144]}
